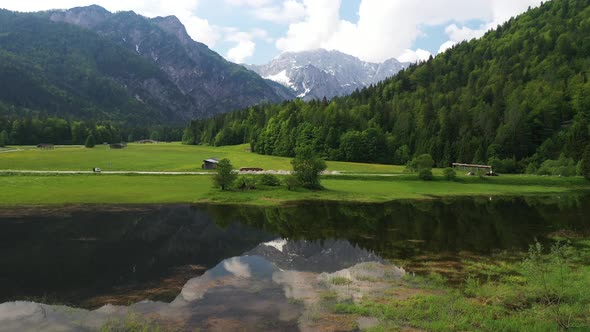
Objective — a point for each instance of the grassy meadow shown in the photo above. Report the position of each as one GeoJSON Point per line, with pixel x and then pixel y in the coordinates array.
{"type": "Point", "coordinates": [158, 157]}
{"type": "Point", "coordinates": [136, 189]}
{"type": "Point", "coordinates": [31, 189]}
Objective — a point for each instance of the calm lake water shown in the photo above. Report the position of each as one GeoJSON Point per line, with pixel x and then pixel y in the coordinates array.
{"type": "Point", "coordinates": [200, 265]}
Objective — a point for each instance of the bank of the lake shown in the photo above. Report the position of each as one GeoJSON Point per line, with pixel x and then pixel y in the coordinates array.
{"type": "Point", "coordinates": [21, 189]}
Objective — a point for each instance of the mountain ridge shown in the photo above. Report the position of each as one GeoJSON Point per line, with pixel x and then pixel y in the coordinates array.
{"type": "Point", "coordinates": [319, 73]}
{"type": "Point", "coordinates": [89, 63]}
{"type": "Point", "coordinates": [209, 74]}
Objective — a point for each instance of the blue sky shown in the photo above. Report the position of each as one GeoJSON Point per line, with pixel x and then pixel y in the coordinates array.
{"type": "Point", "coordinates": [255, 31]}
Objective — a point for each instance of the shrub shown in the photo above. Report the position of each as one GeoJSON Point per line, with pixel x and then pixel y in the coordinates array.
{"type": "Point", "coordinates": [425, 174]}
{"type": "Point", "coordinates": [562, 167]}
{"type": "Point", "coordinates": [269, 180]}
{"type": "Point", "coordinates": [421, 162]}
{"type": "Point", "coordinates": [506, 166]}
{"type": "Point", "coordinates": [450, 174]}
{"type": "Point", "coordinates": [246, 182]}
{"type": "Point", "coordinates": [90, 143]}
{"type": "Point", "coordinates": [291, 182]}
{"type": "Point", "coordinates": [531, 168]}
{"type": "Point", "coordinates": [423, 165]}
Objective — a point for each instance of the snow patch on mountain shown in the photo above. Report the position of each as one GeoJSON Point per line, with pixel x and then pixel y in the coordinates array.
{"type": "Point", "coordinates": [321, 73]}
{"type": "Point", "coordinates": [280, 77]}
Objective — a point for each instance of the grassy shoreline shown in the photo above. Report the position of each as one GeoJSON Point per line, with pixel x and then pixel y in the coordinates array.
{"type": "Point", "coordinates": [71, 189]}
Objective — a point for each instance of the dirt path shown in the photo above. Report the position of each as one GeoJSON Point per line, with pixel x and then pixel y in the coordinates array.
{"type": "Point", "coordinates": [20, 171]}
{"type": "Point", "coordinates": [15, 150]}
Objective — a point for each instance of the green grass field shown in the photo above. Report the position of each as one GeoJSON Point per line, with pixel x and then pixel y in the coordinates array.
{"type": "Point", "coordinates": [21, 189]}
{"type": "Point", "coordinates": [158, 157]}
{"type": "Point", "coordinates": [138, 189]}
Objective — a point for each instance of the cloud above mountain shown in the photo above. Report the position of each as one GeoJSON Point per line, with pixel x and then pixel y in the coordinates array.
{"type": "Point", "coordinates": [373, 30]}
{"type": "Point", "coordinates": [388, 29]}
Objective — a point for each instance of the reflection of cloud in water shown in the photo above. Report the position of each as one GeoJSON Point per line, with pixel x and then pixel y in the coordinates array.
{"type": "Point", "coordinates": [237, 267]}
{"type": "Point", "coordinates": [29, 316]}
{"type": "Point", "coordinates": [249, 289]}
{"type": "Point", "coordinates": [296, 285]}
{"type": "Point", "coordinates": [228, 272]}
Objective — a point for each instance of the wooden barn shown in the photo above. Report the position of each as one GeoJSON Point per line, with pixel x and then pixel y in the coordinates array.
{"type": "Point", "coordinates": [474, 169]}
{"type": "Point", "coordinates": [210, 163]}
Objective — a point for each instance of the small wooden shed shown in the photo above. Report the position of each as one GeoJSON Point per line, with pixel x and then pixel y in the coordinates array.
{"type": "Point", "coordinates": [473, 168]}
{"type": "Point", "coordinates": [210, 163]}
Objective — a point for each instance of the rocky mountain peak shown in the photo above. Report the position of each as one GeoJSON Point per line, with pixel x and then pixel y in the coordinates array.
{"type": "Point", "coordinates": [172, 25]}
{"type": "Point", "coordinates": [319, 73]}
{"type": "Point", "coordinates": [87, 17]}
{"type": "Point", "coordinates": [211, 83]}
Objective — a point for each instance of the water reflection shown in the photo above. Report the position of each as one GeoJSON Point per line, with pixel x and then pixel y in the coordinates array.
{"type": "Point", "coordinates": [214, 258]}
{"type": "Point", "coordinates": [247, 293]}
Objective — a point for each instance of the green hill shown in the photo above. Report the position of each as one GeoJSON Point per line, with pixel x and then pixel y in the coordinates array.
{"type": "Point", "coordinates": [515, 98]}
{"type": "Point", "coordinates": [61, 70]}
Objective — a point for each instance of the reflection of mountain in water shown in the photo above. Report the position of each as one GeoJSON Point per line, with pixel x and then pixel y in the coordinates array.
{"type": "Point", "coordinates": [313, 256]}
{"type": "Point", "coordinates": [120, 255]}
{"type": "Point", "coordinates": [246, 293]}
{"type": "Point", "coordinates": [405, 229]}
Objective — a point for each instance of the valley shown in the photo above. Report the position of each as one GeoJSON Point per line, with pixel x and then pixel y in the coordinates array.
{"type": "Point", "coordinates": [295, 166]}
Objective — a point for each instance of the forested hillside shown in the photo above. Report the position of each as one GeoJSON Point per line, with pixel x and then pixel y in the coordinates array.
{"type": "Point", "coordinates": [517, 97]}
{"type": "Point", "coordinates": [57, 69]}
{"type": "Point", "coordinates": [66, 74]}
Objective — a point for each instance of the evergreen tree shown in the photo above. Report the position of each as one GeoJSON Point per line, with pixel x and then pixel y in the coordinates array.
{"type": "Point", "coordinates": [90, 142]}
{"type": "Point", "coordinates": [585, 163]}
{"type": "Point", "coordinates": [3, 138]}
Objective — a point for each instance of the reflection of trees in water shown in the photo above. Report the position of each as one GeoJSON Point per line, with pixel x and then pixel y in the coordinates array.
{"type": "Point", "coordinates": [477, 224]}
{"type": "Point", "coordinates": [80, 253]}
{"type": "Point", "coordinates": [87, 252]}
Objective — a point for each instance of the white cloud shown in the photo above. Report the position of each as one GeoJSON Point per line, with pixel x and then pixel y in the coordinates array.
{"type": "Point", "coordinates": [446, 45]}
{"type": "Point", "coordinates": [249, 3]}
{"type": "Point", "coordinates": [387, 29]}
{"type": "Point", "coordinates": [289, 11]}
{"type": "Point", "coordinates": [414, 56]}
{"type": "Point", "coordinates": [245, 45]}
{"type": "Point", "coordinates": [321, 21]}
{"type": "Point", "coordinates": [197, 27]}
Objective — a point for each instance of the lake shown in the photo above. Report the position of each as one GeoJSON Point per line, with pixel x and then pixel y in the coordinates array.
{"type": "Point", "coordinates": [221, 268]}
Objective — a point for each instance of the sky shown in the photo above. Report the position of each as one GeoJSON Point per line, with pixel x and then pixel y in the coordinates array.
{"type": "Point", "coordinates": [256, 31]}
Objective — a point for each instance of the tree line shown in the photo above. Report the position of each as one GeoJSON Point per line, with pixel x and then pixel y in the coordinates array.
{"type": "Point", "coordinates": [36, 130]}
{"type": "Point", "coordinates": [516, 98]}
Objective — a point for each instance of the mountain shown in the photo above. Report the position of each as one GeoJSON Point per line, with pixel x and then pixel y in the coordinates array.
{"type": "Point", "coordinates": [89, 63]}
{"type": "Point", "coordinates": [516, 98]}
{"type": "Point", "coordinates": [320, 73]}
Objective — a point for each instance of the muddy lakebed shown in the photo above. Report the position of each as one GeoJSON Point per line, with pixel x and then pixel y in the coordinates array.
{"type": "Point", "coordinates": [224, 268]}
